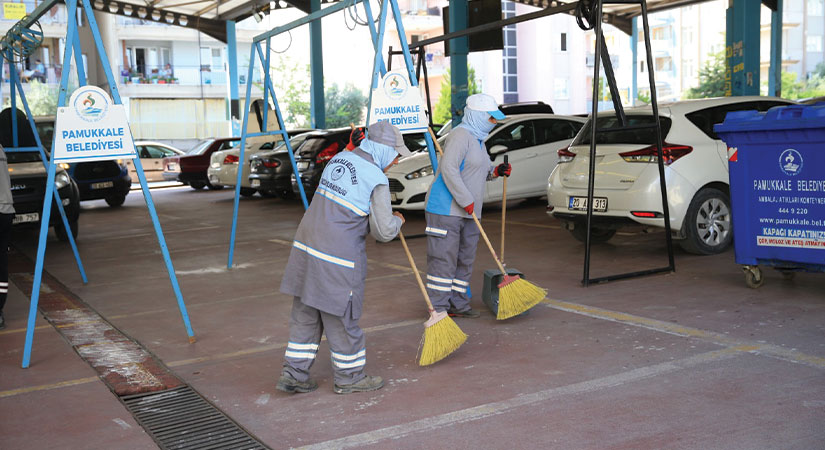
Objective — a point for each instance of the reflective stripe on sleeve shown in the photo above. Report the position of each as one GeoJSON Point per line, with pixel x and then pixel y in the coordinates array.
{"type": "Point", "coordinates": [341, 201]}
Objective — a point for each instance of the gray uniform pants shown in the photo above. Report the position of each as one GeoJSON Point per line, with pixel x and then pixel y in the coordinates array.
{"type": "Point", "coordinates": [451, 250]}
{"type": "Point", "coordinates": [345, 337]}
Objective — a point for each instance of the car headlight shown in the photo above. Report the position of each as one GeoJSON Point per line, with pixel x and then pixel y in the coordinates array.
{"type": "Point", "coordinates": [61, 180]}
{"type": "Point", "coordinates": [420, 173]}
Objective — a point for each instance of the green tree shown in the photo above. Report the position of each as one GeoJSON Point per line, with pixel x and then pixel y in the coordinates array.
{"type": "Point", "coordinates": [291, 83]}
{"type": "Point", "coordinates": [813, 87]}
{"type": "Point", "coordinates": [643, 96]}
{"type": "Point", "coordinates": [711, 78]}
{"type": "Point", "coordinates": [442, 110]}
{"type": "Point", "coordinates": [344, 106]}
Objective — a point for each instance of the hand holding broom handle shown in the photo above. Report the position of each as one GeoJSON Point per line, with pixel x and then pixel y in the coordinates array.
{"type": "Point", "coordinates": [415, 271]}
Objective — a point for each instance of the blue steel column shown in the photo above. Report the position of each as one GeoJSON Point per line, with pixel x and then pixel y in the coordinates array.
{"type": "Point", "coordinates": [743, 47]}
{"type": "Point", "coordinates": [634, 49]}
{"type": "Point", "coordinates": [232, 62]}
{"type": "Point", "coordinates": [316, 63]}
{"type": "Point", "coordinates": [775, 71]}
{"type": "Point", "coordinates": [458, 58]}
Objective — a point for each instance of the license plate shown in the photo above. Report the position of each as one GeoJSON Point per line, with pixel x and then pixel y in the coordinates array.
{"type": "Point", "coordinates": [213, 179]}
{"type": "Point", "coordinates": [393, 197]}
{"type": "Point", "coordinates": [171, 167]}
{"type": "Point", "coordinates": [256, 183]}
{"type": "Point", "coordinates": [580, 204]}
{"type": "Point", "coordinates": [303, 165]}
{"type": "Point", "coordinates": [103, 185]}
{"type": "Point", "coordinates": [24, 218]}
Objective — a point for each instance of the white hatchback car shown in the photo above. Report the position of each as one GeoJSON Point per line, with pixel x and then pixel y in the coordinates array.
{"type": "Point", "coordinates": [530, 141]}
{"type": "Point", "coordinates": [627, 189]}
{"type": "Point", "coordinates": [151, 156]}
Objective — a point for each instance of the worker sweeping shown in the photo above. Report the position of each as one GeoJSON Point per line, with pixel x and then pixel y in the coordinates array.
{"type": "Point", "coordinates": [457, 192]}
{"type": "Point", "coordinates": [328, 263]}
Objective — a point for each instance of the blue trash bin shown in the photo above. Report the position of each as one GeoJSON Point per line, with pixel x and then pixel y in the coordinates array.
{"type": "Point", "coordinates": [777, 183]}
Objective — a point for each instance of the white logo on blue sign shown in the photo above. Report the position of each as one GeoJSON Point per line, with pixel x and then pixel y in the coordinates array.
{"type": "Point", "coordinates": [395, 86]}
{"type": "Point", "coordinates": [91, 106]}
{"type": "Point", "coordinates": [790, 161]}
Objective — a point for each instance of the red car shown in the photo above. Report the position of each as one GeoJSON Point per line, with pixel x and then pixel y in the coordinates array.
{"type": "Point", "coordinates": [191, 167]}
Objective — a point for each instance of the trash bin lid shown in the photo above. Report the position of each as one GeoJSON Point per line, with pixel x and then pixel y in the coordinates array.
{"type": "Point", "coordinates": [790, 117]}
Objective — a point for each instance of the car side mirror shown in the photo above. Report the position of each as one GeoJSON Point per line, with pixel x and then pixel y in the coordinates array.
{"type": "Point", "coordinates": [496, 149]}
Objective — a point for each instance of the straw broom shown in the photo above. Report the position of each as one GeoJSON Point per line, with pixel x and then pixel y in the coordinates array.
{"type": "Point", "coordinates": [441, 334]}
{"type": "Point", "coordinates": [515, 294]}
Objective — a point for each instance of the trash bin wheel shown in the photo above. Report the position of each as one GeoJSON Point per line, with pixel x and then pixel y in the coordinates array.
{"type": "Point", "coordinates": [753, 276]}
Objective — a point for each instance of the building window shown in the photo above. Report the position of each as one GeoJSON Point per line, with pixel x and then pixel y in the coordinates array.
{"type": "Point", "coordinates": [664, 63]}
{"type": "Point", "coordinates": [816, 8]}
{"type": "Point", "coordinates": [813, 43]}
{"type": "Point", "coordinates": [563, 43]}
{"type": "Point", "coordinates": [561, 89]}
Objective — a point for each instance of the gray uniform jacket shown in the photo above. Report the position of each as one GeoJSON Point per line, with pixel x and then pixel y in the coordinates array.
{"type": "Point", "coordinates": [328, 261]}
{"type": "Point", "coordinates": [6, 200]}
{"type": "Point", "coordinates": [462, 173]}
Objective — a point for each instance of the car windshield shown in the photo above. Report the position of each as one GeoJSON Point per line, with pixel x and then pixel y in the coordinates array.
{"type": "Point", "coordinates": [636, 132]}
{"type": "Point", "coordinates": [22, 157]}
{"type": "Point", "coordinates": [200, 147]}
{"type": "Point", "coordinates": [46, 132]}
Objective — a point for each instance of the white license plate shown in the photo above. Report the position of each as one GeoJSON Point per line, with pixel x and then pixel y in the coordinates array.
{"type": "Point", "coordinates": [303, 165]}
{"type": "Point", "coordinates": [213, 179]}
{"type": "Point", "coordinates": [24, 218]}
{"type": "Point", "coordinates": [393, 197]}
{"type": "Point", "coordinates": [256, 183]}
{"type": "Point", "coordinates": [580, 204]}
{"type": "Point", "coordinates": [103, 185]}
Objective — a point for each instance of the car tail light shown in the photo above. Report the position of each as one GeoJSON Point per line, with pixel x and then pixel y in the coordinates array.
{"type": "Point", "coordinates": [270, 164]}
{"type": "Point", "coordinates": [565, 155]}
{"type": "Point", "coordinates": [327, 153]}
{"type": "Point", "coordinates": [670, 152]}
{"type": "Point", "coordinates": [646, 214]}
{"type": "Point", "coordinates": [231, 159]}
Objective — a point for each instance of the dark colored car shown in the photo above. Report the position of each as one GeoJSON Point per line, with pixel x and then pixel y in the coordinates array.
{"type": "Point", "coordinates": [270, 171]}
{"type": "Point", "coordinates": [191, 167]}
{"type": "Point", "coordinates": [314, 154]}
{"type": "Point", "coordinates": [319, 147]}
{"type": "Point", "coordinates": [107, 180]}
{"type": "Point", "coordinates": [28, 180]}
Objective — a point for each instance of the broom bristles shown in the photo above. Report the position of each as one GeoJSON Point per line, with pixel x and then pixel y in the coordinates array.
{"type": "Point", "coordinates": [440, 339]}
{"type": "Point", "coordinates": [518, 296]}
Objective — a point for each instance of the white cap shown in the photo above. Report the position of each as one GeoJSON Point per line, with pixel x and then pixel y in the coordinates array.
{"type": "Point", "coordinates": [486, 103]}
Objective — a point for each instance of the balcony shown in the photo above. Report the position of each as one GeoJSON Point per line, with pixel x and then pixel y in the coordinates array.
{"type": "Point", "coordinates": [178, 81]}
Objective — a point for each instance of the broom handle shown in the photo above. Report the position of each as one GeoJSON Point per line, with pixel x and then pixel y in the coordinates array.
{"type": "Point", "coordinates": [415, 271]}
{"type": "Point", "coordinates": [503, 210]}
{"type": "Point", "coordinates": [435, 141]}
{"type": "Point", "coordinates": [489, 245]}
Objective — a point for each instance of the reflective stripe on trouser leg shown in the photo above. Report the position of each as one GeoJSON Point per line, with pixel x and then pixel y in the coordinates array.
{"type": "Point", "coordinates": [305, 329]}
{"type": "Point", "coordinates": [442, 253]}
{"type": "Point", "coordinates": [347, 346]}
{"type": "Point", "coordinates": [464, 265]}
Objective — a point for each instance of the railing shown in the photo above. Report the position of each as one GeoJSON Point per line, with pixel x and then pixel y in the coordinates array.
{"type": "Point", "coordinates": [181, 74]}
{"type": "Point", "coordinates": [50, 73]}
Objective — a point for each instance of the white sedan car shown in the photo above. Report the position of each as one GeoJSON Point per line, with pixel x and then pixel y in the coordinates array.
{"type": "Point", "coordinates": [530, 141]}
{"type": "Point", "coordinates": [627, 189]}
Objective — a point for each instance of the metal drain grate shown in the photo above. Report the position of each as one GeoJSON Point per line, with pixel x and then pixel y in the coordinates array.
{"type": "Point", "coordinates": [181, 419]}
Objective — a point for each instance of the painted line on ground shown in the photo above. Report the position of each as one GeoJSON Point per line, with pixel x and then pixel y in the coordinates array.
{"type": "Point", "coordinates": [754, 347]}
{"type": "Point", "coordinates": [46, 387]}
{"type": "Point", "coordinates": [501, 407]}
{"type": "Point", "coordinates": [524, 224]}
{"type": "Point", "coordinates": [165, 232]}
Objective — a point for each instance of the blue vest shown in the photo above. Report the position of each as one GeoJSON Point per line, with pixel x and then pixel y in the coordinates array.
{"type": "Point", "coordinates": [349, 180]}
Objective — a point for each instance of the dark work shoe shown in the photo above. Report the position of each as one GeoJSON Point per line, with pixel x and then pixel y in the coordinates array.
{"type": "Point", "coordinates": [470, 313]}
{"type": "Point", "coordinates": [288, 383]}
{"type": "Point", "coordinates": [368, 383]}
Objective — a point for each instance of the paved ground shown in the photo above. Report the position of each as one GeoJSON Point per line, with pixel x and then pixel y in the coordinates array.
{"type": "Point", "coordinates": [692, 359]}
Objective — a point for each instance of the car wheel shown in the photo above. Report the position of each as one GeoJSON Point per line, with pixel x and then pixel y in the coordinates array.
{"type": "Point", "coordinates": [115, 200]}
{"type": "Point", "coordinates": [707, 225]}
{"type": "Point", "coordinates": [60, 231]}
{"type": "Point", "coordinates": [269, 194]}
{"type": "Point", "coordinates": [597, 235]}
{"type": "Point", "coordinates": [197, 185]}
{"type": "Point", "coordinates": [248, 192]}
{"type": "Point", "coordinates": [214, 187]}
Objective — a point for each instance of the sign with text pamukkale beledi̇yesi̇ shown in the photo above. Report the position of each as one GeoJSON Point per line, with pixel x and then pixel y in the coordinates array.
{"type": "Point", "coordinates": [398, 102]}
{"type": "Point", "coordinates": [92, 128]}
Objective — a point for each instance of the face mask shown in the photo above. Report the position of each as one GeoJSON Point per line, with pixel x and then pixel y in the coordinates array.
{"type": "Point", "coordinates": [477, 122]}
